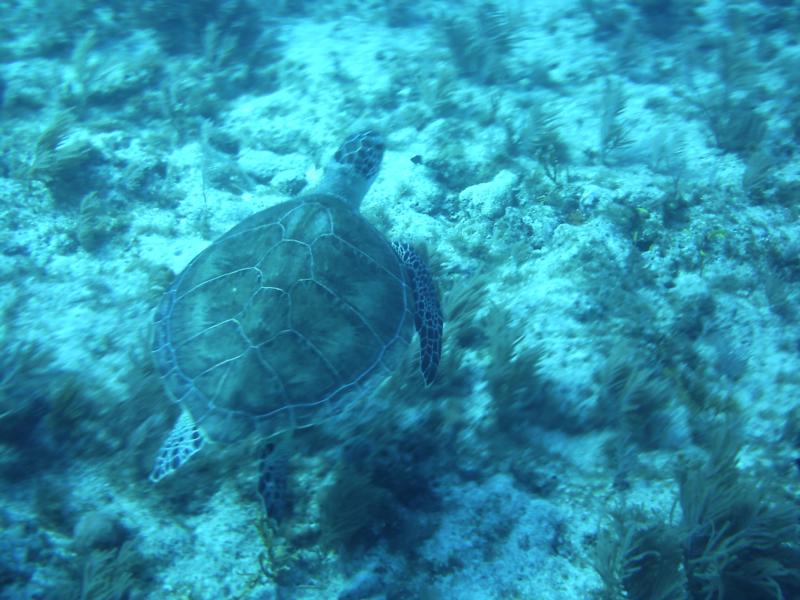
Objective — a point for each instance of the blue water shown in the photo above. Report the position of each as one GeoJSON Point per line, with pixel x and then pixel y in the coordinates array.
{"type": "Point", "coordinates": [606, 198]}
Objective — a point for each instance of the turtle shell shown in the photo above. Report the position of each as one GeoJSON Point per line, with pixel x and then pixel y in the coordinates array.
{"type": "Point", "coordinates": [283, 320]}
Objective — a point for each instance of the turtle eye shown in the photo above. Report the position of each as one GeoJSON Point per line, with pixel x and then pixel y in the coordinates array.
{"type": "Point", "coordinates": [363, 151]}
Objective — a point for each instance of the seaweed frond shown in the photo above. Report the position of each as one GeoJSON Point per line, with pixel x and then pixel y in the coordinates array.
{"type": "Point", "coordinates": [520, 395]}
{"type": "Point", "coordinates": [62, 158]}
{"type": "Point", "coordinates": [354, 512]}
{"type": "Point", "coordinates": [758, 174]}
{"type": "Point", "coordinates": [539, 138]}
{"type": "Point", "coordinates": [110, 574]}
{"type": "Point", "coordinates": [278, 558]}
{"type": "Point", "coordinates": [634, 396]}
{"type": "Point", "coordinates": [57, 153]}
{"type": "Point", "coordinates": [735, 124]}
{"type": "Point", "coordinates": [738, 537]}
{"type": "Point", "coordinates": [639, 559]}
{"type": "Point", "coordinates": [479, 44]}
{"type": "Point", "coordinates": [614, 130]}
{"type": "Point", "coordinates": [742, 538]}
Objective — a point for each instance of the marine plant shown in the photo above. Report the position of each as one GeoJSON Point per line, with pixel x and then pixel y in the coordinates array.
{"type": "Point", "coordinates": [639, 558]}
{"type": "Point", "coordinates": [735, 123]}
{"type": "Point", "coordinates": [37, 400]}
{"type": "Point", "coordinates": [109, 574]}
{"type": "Point", "coordinates": [664, 18]}
{"type": "Point", "coordinates": [218, 50]}
{"type": "Point", "coordinates": [758, 175]}
{"type": "Point", "coordinates": [537, 136]}
{"type": "Point", "coordinates": [634, 396]}
{"type": "Point", "coordinates": [463, 305]}
{"type": "Point", "coordinates": [480, 43]}
{"type": "Point", "coordinates": [738, 536]}
{"type": "Point", "coordinates": [60, 159]}
{"type": "Point", "coordinates": [436, 86]}
{"type": "Point", "coordinates": [741, 535]}
{"type": "Point", "coordinates": [729, 108]}
{"type": "Point", "coordinates": [95, 222]}
{"type": "Point", "coordinates": [78, 91]}
{"type": "Point", "coordinates": [71, 418]}
{"type": "Point", "coordinates": [519, 393]}
{"type": "Point", "coordinates": [182, 27]}
{"type": "Point", "coordinates": [614, 130]}
{"type": "Point", "coordinates": [400, 14]}
{"type": "Point", "coordinates": [22, 401]}
{"type": "Point", "coordinates": [403, 451]}
{"type": "Point", "coordinates": [278, 559]}
{"type": "Point", "coordinates": [354, 512]}
{"type": "Point", "coordinates": [674, 206]}
{"type": "Point", "coordinates": [49, 413]}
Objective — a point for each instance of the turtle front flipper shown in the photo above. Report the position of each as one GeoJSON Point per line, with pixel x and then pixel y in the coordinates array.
{"type": "Point", "coordinates": [181, 444]}
{"type": "Point", "coordinates": [427, 310]}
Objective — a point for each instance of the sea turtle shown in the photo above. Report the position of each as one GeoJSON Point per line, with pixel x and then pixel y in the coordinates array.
{"type": "Point", "coordinates": [292, 314]}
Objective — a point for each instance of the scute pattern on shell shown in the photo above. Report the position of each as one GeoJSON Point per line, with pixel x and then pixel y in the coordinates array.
{"type": "Point", "coordinates": [294, 309]}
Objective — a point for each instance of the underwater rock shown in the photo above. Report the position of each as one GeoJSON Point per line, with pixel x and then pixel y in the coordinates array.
{"type": "Point", "coordinates": [289, 183]}
{"type": "Point", "coordinates": [23, 549]}
{"type": "Point", "coordinates": [263, 165]}
{"type": "Point", "coordinates": [95, 224]}
{"type": "Point", "coordinates": [489, 200]}
{"type": "Point", "coordinates": [98, 530]}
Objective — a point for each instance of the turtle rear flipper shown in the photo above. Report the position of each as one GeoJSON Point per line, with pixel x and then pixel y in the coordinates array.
{"type": "Point", "coordinates": [181, 444]}
{"type": "Point", "coordinates": [427, 310]}
{"type": "Point", "coordinates": [273, 481]}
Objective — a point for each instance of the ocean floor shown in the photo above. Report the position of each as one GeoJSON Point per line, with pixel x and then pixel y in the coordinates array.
{"type": "Point", "coordinates": [607, 196]}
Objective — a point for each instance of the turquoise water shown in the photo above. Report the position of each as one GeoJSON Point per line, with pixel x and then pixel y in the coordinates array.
{"type": "Point", "coordinates": [606, 196]}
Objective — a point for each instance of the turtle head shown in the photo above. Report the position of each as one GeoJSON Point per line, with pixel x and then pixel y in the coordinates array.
{"type": "Point", "coordinates": [354, 167]}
